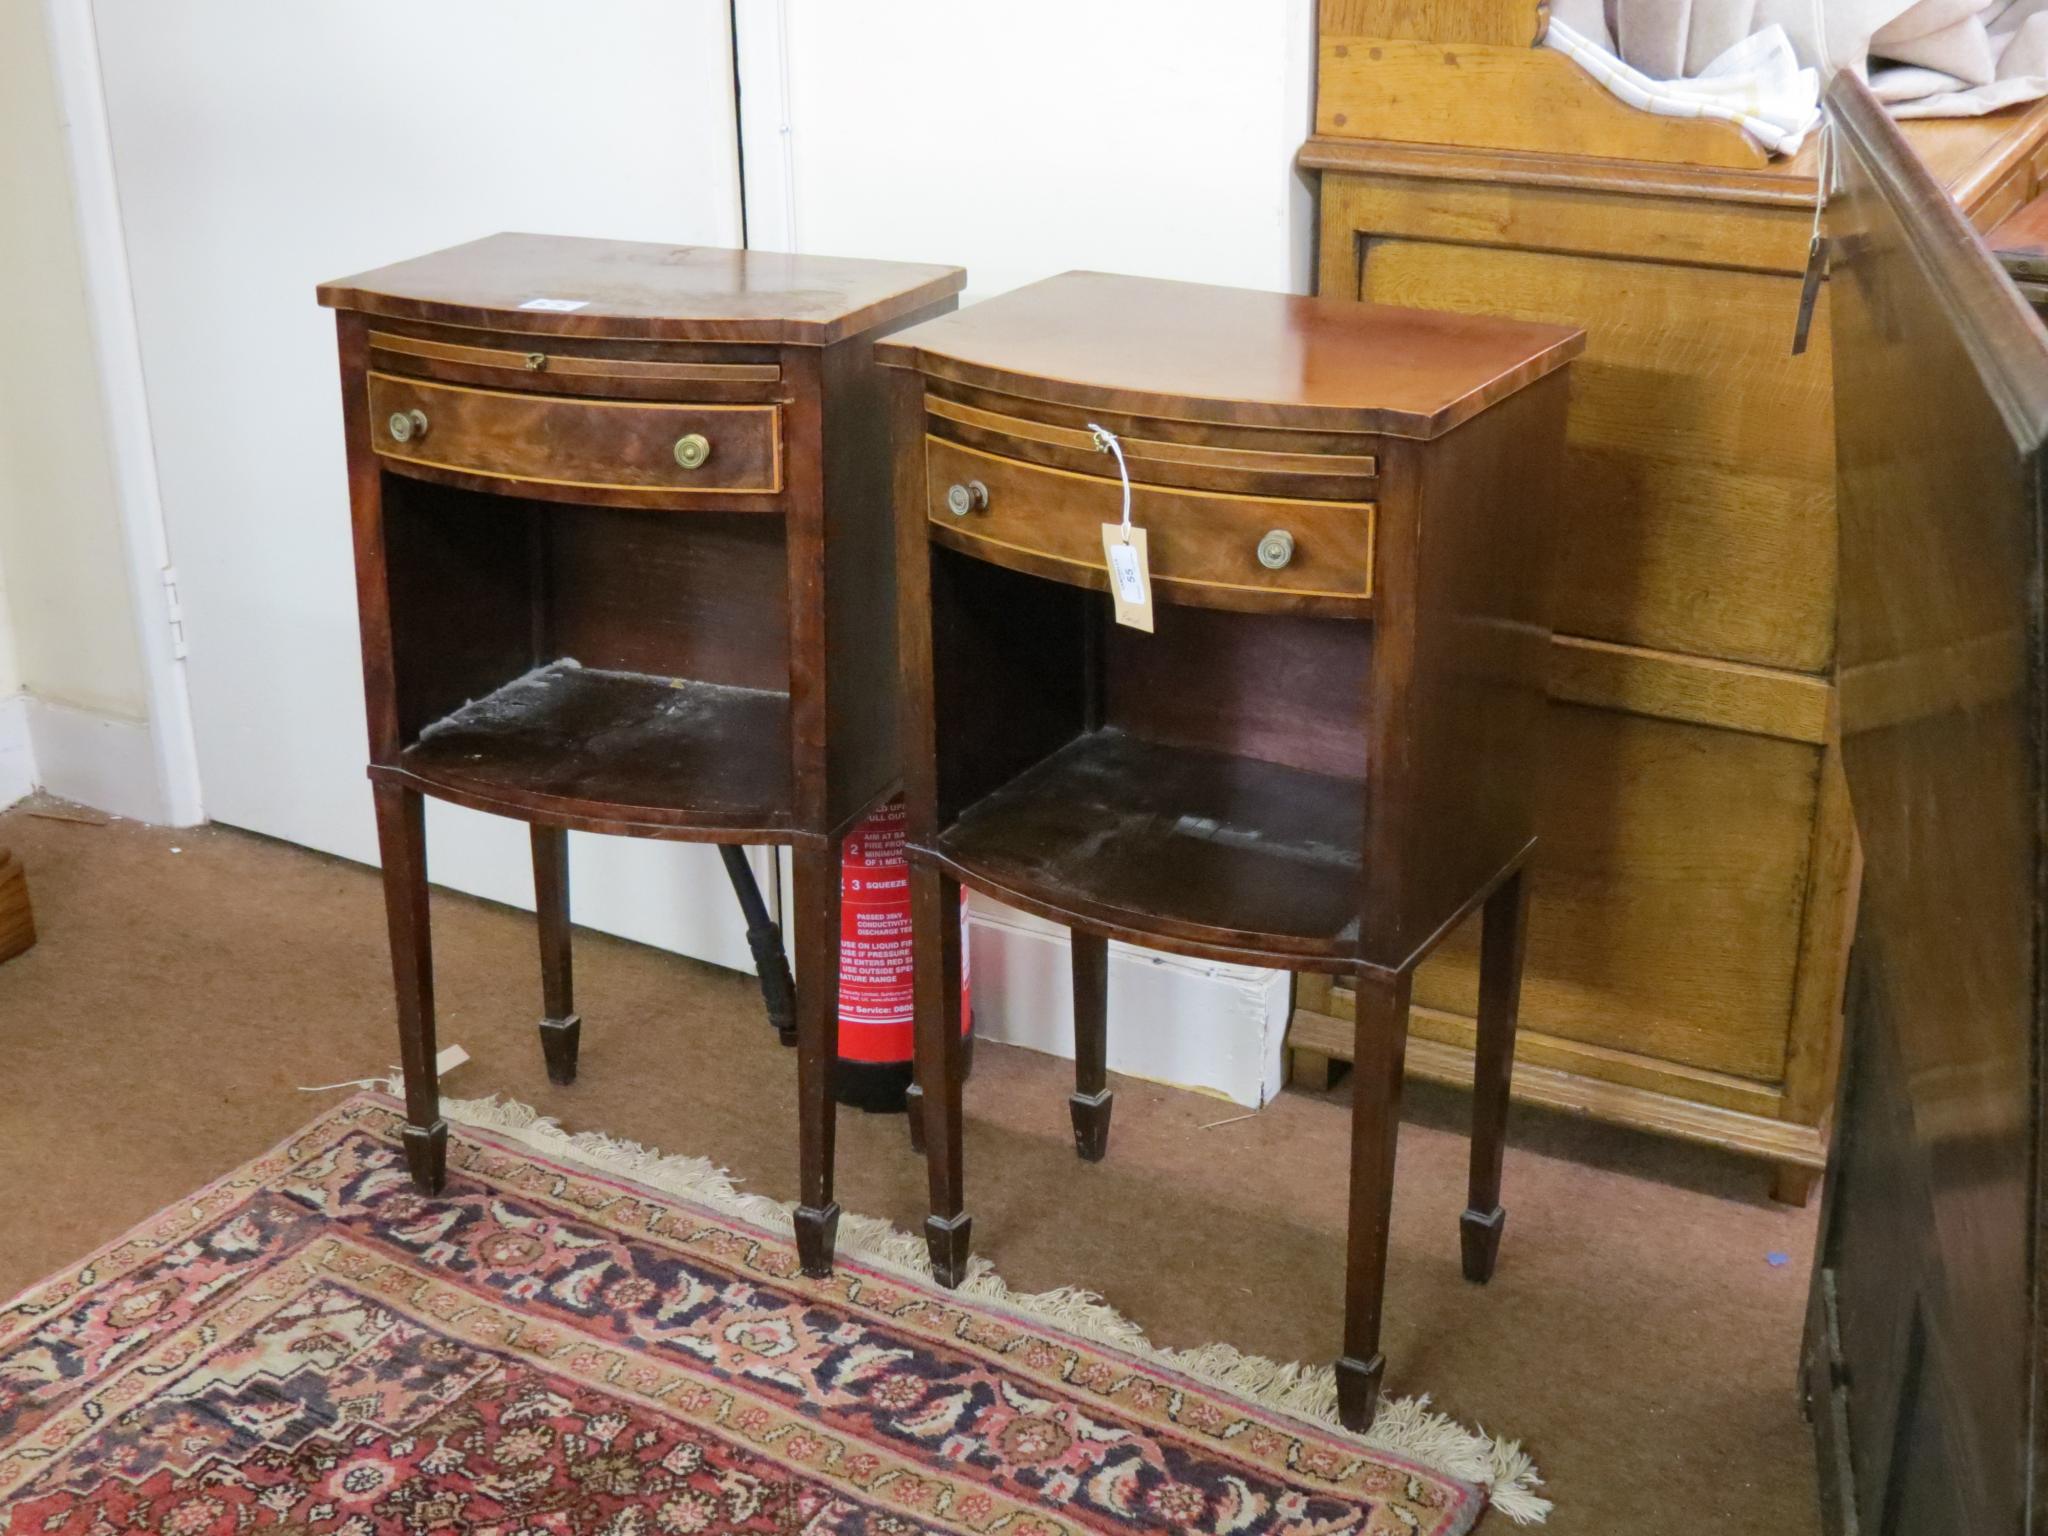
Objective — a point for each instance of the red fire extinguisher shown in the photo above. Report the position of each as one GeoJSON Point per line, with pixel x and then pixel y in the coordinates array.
{"type": "Point", "coordinates": [875, 1008]}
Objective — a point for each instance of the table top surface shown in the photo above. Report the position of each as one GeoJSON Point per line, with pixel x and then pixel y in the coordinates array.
{"type": "Point", "coordinates": [1235, 355]}
{"type": "Point", "coordinates": [630, 289]}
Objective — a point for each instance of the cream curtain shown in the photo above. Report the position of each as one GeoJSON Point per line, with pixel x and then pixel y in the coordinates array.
{"type": "Point", "coordinates": [1926, 58]}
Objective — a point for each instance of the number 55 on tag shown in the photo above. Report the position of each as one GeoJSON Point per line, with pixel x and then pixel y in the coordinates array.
{"type": "Point", "coordinates": [1130, 575]}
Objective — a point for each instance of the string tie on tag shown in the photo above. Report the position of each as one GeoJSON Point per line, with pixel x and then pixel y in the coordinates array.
{"type": "Point", "coordinates": [1819, 252]}
{"type": "Point", "coordinates": [1106, 442]}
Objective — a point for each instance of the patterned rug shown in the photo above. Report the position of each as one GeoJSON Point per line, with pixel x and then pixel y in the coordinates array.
{"type": "Point", "coordinates": [584, 1338]}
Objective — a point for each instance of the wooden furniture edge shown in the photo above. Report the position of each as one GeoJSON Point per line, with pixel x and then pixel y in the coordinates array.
{"type": "Point", "coordinates": [1783, 1142]}
{"type": "Point", "coordinates": [1226, 596]}
{"type": "Point", "coordinates": [1612, 1065]}
{"type": "Point", "coordinates": [556, 365]}
{"type": "Point", "coordinates": [914, 357]}
{"type": "Point", "coordinates": [1086, 917]}
{"type": "Point", "coordinates": [342, 294]}
{"type": "Point", "coordinates": [1520, 22]}
{"type": "Point", "coordinates": [17, 917]}
{"type": "Point", "coordinates": [1149, 451]}
{"type": "Point", "coordinates": [1696, 690]}
{"type": "Point", "coordinates": [1976, 179]}
{"type": "Point", "coordinates": [1502, 96]}
{"type": "Point", "coordinates": [1975, 671]}
{"type": "Point", "coordinates": [625, 821]}
{"type": "Point", "coordinates": [2008, 352]}
{"type": "Point", "coordinates": [1827, 929]}
{"type": "Point", "coordinates": [1971, 158]}
{"type": "Point", "coordinates": [1552, 168]}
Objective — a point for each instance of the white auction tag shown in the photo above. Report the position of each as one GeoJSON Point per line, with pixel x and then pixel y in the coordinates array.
{"type": "Point", "coordinates": [1123, 565]}
{"type": "Point", "coordinates": [1130, 574]}
{"type": "Point", "coordinates": [557, 306]}
{"type": "Point", "coordinates": [1123, 547]}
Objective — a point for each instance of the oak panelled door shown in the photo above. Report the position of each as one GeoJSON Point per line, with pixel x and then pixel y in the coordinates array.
{"type": "Point", "coordinates": [1924, 1344]}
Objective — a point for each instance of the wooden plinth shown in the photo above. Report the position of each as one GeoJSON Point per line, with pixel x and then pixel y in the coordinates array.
{"type": "Point", "coordinates": [17, 921]}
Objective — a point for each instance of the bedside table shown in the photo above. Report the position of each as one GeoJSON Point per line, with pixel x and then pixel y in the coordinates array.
{"type": "Point", "coordinates": [1324, 756]}
{"type": "Point", "coordinates": [623, 562]}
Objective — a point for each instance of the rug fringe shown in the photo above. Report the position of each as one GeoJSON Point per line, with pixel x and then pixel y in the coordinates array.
{"type": "Point", "coordinates": [1405, 1426]}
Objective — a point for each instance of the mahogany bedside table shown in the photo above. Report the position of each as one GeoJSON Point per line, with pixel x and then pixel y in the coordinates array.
{"type": "Point", "coordinates": [623, 564]}
{"type": "Point", "coordinates": [1324, 756]}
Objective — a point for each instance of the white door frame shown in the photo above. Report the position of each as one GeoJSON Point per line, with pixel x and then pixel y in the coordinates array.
{"type": "Point", "coordinates": [767, 142]}
{"type": "Point", "coordinates": [131, 447]}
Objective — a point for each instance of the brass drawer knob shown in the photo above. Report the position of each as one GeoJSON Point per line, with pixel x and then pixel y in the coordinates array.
{"type": "Point", "coordinates": [407, 425]}
{"type": "Point", "coordinates": [692, 450]}
{"type": "Point", "coordinates": [1276, 549]}
{"type": "Point", "coordinates": [963, 499]}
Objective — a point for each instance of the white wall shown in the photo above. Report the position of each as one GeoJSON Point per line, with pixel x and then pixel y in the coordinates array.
{"type": "Point", "coordinates": [261, 148]}
{"type": "Point", "coordinates": [1147, 136]}
{"type": "Point", "coordinates": [10, 666]}
{"type": "Point", "coordinates": [1194, 1023]}
{"type": "Point", "coordinates": [17, 755]}
{"type": "Point", "coordinates": [60, 533]}
{"type": "Point", "coordinates": [67, 619]}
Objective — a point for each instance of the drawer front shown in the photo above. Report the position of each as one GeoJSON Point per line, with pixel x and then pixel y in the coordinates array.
{"type": "Point", "coordinates": [1261, 463]}
{"type": "Point", "coordinates": [602, 445]}
{"type": "Point", "coordinates": [494, 361]}
{"type": "Point", "coordinates": [1204, 546]}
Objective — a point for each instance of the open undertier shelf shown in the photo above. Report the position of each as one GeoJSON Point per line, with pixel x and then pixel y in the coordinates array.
{"type": "Point", "coordinates": [586, 746]}
{"type": "Point", "coordinates": [1215, 850]}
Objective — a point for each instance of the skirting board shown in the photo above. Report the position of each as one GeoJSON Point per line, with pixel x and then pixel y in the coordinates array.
{"type": "Point", "coordinates": [98, 760]}
{"type": "Point", "coordinates": [17, 752]}
{"type": "Point", "coordinates": [1193, 1023]}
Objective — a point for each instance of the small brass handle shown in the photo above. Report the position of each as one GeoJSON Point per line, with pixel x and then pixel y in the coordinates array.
{"type": "Point", "coordinates": [963, 499]}
{"type": "Point", "coordinates": [407, 425]}
{"type": "Point", "coordinates": [692, 450]}
{"type": "Point", "coordinates": [1276, 549]}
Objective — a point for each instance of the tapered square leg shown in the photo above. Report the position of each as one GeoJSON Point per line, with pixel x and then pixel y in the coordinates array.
{"type": "Point", "coordinates": [560, 1042]}
{"type": "Point", "coordinates": [948, 1244]}
{"type": "Point", "coordinates": [1479, 1242]}
{"type": "Point", "coordinates": [913, 1116]}
{"type": "Point", "coordinates": [817, 1231]}
{"type": "Point", "coordinates": [1381, 1054]}
{"type": "Point", "coordinates": [764, 941]}
{"type": "Point", "coordinates": [935, 947]}
{"type": "Point", "coordinates": [402, 844]}
{"type": "Point", "coordinates": [1358, 1390]}
{"type": "Point", "coordinates": [1090, 1112]}
{"type": "Point", "coordinates": [816, 894]}
{"type": "Point", "coordinates": [426, 1156]}
{"type": "Point", "coordinates": [561, 1030]}
{"type": "Point", "coordinates": [1091, 1100]}
{"type": "Point", "coordinates": [1503, 940]}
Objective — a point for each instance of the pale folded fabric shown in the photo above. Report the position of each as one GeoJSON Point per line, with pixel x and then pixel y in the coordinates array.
{"type": "Point", "coordinates": [1756, 82]}
{"type": "Point", "coordinates": [1677, 39]}
{"type": "Point", "coordinates": [1750, 60]}
{"type": "Point", "coordinates": [1976, 64]}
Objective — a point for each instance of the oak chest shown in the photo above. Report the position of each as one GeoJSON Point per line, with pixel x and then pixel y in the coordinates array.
{"type": "Point", "coordinates": [1695, 901]}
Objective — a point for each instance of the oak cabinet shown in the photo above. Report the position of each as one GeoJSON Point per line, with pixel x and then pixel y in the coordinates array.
{"type": "Point", "coordinates": [1695, 895]}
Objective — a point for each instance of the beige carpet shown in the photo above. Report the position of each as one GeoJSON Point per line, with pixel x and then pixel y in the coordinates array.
{"type": "Point", "coordinates": [1637, 1337]}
